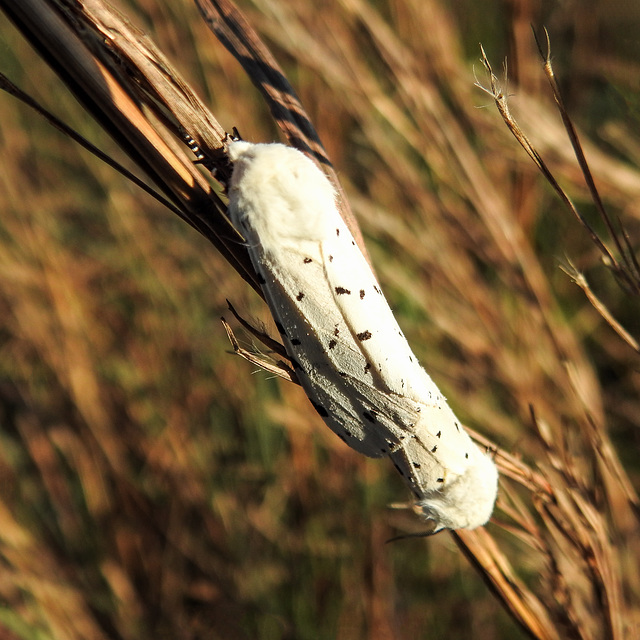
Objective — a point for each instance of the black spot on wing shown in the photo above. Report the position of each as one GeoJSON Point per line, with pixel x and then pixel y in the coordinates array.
{"type": "Point", "coordinates": [300, 296]}
{"type": "Point", "coordinates": [440, 480]}
{"type": "Point", "coordinates": [307, 260]}
{"type": "Point", "coordinates": [361, 294]}
{"type": "Point", "coordinates": [341, 291]}
{"type": "Point", "coordinates": [439, 434]}
{"type": "Point", "coordinates": [336, 331]}
{"type": "Point", "coordinates": [367, 367]}
{"type": "Point", "coordinates": [337, 232]}
{"type": "Point", "coordinates": [295, 342]}
{"type": "Point", "coordinates": [330, 258]}
{"type": "Point", "coordinates": [466, 456]}
{"type": "Point", "coordinates": [416, 465]}
{"type": "Point", "coordinates": [365, 335]}
{"type": "Point", "coordinates": [332, 343]}
{"type": "Point", "coordinates": [435, 448]}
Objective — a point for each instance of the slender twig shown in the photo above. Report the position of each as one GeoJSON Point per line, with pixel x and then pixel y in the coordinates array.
{"type": "Point", "coordinates": [630, 274]}
{"type": "Point", "coordinates": [579, 278]}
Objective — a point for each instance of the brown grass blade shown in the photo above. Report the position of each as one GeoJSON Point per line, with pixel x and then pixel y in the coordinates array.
{"type": "Point", "coordinates": [72, 39]}
{"type": "Point", "coordinates": [629, 275]}
{"type": "Point", "coordinates": [279, 368]}
{"type": "Point", "coordinates": [482, 552]}
{"type": "Point", "coordinates": [234, 31]}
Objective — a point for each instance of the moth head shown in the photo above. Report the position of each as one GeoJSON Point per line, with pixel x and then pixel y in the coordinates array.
{"type": "Point", "coordinates": [284, 192]}
{"type": "Point", "coordinates": [466, 502]}
{"type": "Point", "coordinates": [239, 148]}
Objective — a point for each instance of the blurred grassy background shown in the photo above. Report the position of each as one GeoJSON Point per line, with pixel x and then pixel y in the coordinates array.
{"type": "Point", "coordinates": [151, 484]}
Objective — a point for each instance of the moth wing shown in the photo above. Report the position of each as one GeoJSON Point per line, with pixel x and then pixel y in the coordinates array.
{"type": "Point", "coordinates": [316, 336]}
{"type": "Point", "coordinates": [454, 482]}
{"type": "Point", "coordinates": [371, 322]}
{"type": "Point", "coordinates": [394, 368]}
{"type": "Point", "coordinates": [437, 453]}
{"type": "Point", "coordinates": [358, 386]}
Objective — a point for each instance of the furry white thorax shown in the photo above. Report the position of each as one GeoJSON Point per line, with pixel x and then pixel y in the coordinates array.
{"type": "Point", "coordinates": [347, 349]}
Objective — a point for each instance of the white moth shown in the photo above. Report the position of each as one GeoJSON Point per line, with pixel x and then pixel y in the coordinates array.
{"type": "Point", "coordinates": [347, 349]}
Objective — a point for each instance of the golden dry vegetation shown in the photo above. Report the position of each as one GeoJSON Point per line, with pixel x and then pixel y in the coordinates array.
{"type": "Point", "coordinates": [152, 485]}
